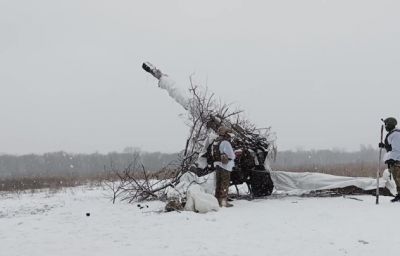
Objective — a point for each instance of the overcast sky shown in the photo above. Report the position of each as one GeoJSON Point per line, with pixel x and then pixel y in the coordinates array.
{"type": "Point", "coordinates": [321, 73]}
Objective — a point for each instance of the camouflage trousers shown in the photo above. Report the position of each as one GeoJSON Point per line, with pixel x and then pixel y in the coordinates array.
{"type": "Point", "coordinates": [222, 183]}
{"type": "Point", "coordinates": [395, 171]}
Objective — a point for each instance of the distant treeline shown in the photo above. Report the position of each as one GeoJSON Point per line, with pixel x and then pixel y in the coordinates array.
{"type": "Point", "coordinates": [62, 164]}
{"type": "Point", "coordinates": [363, 162]}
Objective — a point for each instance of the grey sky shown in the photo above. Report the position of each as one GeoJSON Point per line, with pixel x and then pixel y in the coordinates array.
{"type": "Point", "coordinates": [321, 73]}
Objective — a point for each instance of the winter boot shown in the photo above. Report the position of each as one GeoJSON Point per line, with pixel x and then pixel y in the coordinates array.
{"type": "Point", "coordinates": [396, 199]}
{"type": "Point", "coordinates": [220, 202]}
{"type": "Point", "coordinates": [224, 203]}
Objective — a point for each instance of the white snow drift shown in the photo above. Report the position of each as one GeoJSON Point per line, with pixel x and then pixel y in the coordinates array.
{"type": "Point", "coordinates": [56, 224]}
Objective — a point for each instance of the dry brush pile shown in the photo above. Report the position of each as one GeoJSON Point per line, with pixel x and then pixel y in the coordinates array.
{"type": "Point", "coordinates": [205, 112]}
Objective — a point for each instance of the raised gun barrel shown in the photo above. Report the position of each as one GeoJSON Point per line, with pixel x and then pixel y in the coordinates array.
{"type": "Point", "coordinates": [148, 67]}
{"type": "Point", "coordinates": [166, 83]}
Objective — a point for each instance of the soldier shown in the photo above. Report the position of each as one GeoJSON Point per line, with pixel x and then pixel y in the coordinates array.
{"type": "Point", "coordinates": [223, 157]}
{"type": "Point", "coordinates": [392, 146]}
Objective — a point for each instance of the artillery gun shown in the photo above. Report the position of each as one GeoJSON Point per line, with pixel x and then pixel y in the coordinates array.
{"type": "Point", "coordinates": [252, 148]}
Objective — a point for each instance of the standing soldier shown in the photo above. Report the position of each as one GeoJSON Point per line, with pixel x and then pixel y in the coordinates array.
{"type": "Point", "coordinates": [392, 146]}
{"type": "Point", "coordinates": [223, 157]}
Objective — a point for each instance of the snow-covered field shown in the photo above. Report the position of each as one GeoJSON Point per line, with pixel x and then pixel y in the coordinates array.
{"type": "Point", "coordinates": [56, 224]}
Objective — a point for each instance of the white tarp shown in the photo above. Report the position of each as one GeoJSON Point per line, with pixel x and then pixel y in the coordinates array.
{"type": "Point", "coordinates": [297, 183]}
{"type": "Point", "coordinates": [198, 200]}
{"type": "Point", "coordinates": [199, 191]}
{"type": "Point", "coordinates": [188, 179]}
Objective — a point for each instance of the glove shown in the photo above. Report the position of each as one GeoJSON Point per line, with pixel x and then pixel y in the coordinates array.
{"type": "Point", "coordinates": [383, 145]}
{"type": "Point", "coordinates": [224, 159]}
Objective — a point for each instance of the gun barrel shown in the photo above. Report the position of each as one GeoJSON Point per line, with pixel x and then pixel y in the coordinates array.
{"type": "Point", "coordinates": [150, 68]}
{"type": "Point", "coordinates": [166, 83]}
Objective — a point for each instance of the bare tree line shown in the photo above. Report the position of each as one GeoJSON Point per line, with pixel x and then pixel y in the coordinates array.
{"type": "Point", "coordinates": [363, 162]}
{"type": "Point", "coordinates": [67, 165]}
{"type": "Point", "coordinates": [83, 165]}
{"type": "Point", "coordinates": [71, 169]}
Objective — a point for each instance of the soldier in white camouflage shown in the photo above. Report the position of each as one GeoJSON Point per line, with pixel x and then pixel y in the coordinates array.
{"type": "Point", "coordinates": [392, 146]}
{"type": "Point", "coordinates": [223, 156]}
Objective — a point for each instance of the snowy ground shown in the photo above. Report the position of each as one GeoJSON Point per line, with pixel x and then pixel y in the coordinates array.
{"type": "Point", "coordinates": [56, 224]}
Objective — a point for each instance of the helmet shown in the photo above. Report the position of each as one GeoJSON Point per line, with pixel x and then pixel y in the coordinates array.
{"type": "Point", "coordinates": [390, 121]}
{"type": "Point", "coordinates": [223, 130]}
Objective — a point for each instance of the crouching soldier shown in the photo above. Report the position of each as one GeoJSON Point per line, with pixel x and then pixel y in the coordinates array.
{"type": "Point", "coordinates": [392, 146]}
{"type": "Point", "coordinates": [224, 157]}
